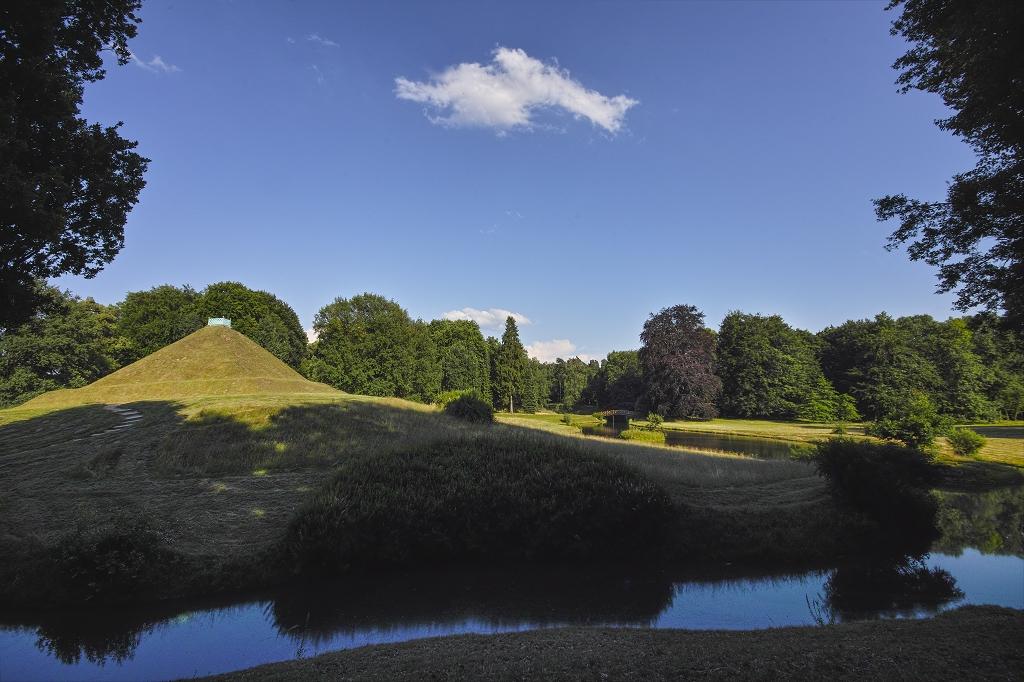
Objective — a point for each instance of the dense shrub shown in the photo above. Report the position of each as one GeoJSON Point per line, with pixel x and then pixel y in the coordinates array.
{"type": "Point", "coordinates": [471, 408]}
{"type": "Point", "coordinates": [916, 423]}
{"type": "Point", "coordinates": [446, 397]}
{"type": "Point", "coordinates": [486, 498]}
{"type": "Point", "coordinates": [885, 485]}
{"type": "Point", "coordinates": [643, 435]}
{"type": "Point", "coordinates": [965, 442]}
{"type": "Point", "coordinates": [117, 560]}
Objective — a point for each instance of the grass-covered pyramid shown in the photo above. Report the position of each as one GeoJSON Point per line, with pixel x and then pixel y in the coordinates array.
{"type": "Point", "coordinates": [211, 361]}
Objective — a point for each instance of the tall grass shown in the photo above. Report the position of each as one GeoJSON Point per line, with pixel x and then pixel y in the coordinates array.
{"type": "Point", "coordinates": [483, 497]}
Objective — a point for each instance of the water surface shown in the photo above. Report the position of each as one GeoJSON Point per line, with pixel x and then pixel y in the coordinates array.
{"type": "Point", "coordinates": [978, 560]}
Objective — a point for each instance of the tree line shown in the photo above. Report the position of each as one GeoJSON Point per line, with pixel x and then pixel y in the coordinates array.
{"type": "Point", "coordinates": [753, 366]}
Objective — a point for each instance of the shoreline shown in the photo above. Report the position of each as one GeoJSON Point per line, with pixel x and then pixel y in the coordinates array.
{"type": "Point", "coordinates": [971, 642]}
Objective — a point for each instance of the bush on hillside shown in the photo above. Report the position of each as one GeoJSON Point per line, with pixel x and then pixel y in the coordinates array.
{"type": "Point", "coordinates": [643, 435]}
{"type": "Point", "coordinates": [965, 442]}
{"type": "Point", "coordinates": [488, 498]}
{"type": "Point", "coordinates": [446, 397]}
{"type": "Point", "coordinates": [885, 485]}
{"type": "Point", "coordinates": [471, 408]}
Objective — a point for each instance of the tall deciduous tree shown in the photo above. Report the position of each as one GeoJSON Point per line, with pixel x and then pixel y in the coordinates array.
{"type": "Point", "coordinates": [369, 345]}
{"type": "Point", "coordinates": [969, 54]}
{"type": "Point", "coordinates": [678, 361]}
{"type": "Point", "coordinates": [67, 186]}
{"type": "Point", "coordinates": [463, 356]}
{"type": "Point", "coordinates": [768, 369]}
{"type": "Point", "coordinates": [510, 368]}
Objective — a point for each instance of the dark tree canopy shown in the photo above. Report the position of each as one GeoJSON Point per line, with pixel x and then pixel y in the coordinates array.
{"type": "Point", "coordinates": [68, 343]}
{"type": "Point", "coordinates": [619, 383]}
{"type": "Point", "coordinates": [678, 364]}
{"type": "Point", "coordinates": [969, 54]}
{"type": "Point", "coordinates": [66, 186]}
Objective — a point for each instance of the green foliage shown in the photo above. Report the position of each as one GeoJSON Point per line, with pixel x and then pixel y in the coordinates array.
{"type": "Point", "coordinates": [881, 361]}
{"type": "Point", "coordinates": [569, 381]}
{"type": "Point", "coordinates": [261, 316]}
{"type": "Point", "coordinates": [67, 186]}
{"type": "Point", "coordinates": [1001, 355]}
{"type": "Point", "coordinates": [965, 442]}
{"type": "Point", "coordinates": [68, 343]}
{"type": "Point", "coordinates": [510, 367]}
{"type": "Point", "coordinates": [655, 421]}
{"type": "Point", "coordinates": [678, 361]}
{"type": "Point", "coordinates": [770, 370]}
{"type": "Point", "coordinates": [967, 53]}
{"type": "Point", "coordinates": [886, 485]}
{"type": "Point", "coordinates": [489, 498]}
{"type": "Point", "coordinates": [446, 397]}
{"type": "Point", "coordinates": [150, 320]}
{"type": "Point", "coordinates": [915, 422]}
{"type": "Point", "coordinates": [643, 435]}
{"type": "Point", "coordinates": [462, 355]}
{"type": "Point", "coordinates": [823, 404]}
{"type": "Point", "coordinates": [537, 385]}
{"type": "Point", "coordinates": [369, 345]}
{"type": "Point", "coordinates": [470, 407]}
{"type": "Point", "coordinates": [617, 383]}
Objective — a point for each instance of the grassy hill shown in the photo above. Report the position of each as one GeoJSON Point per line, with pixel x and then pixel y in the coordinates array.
{"type": "Point", "coordinates": [211, 361]}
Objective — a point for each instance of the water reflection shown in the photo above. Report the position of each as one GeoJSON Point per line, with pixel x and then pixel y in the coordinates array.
{"type": "Point", "coordinates": [495, 598]}
{"type": "Point", "coordinates": [992, 522]}
{"type": "Point", "coordinates": [307, 619]}
{"type": "Point", "coordinates": [905, 586]}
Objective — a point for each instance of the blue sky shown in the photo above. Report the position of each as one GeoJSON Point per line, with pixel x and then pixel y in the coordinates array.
{"type": "Point", "coordinates": [579, 164]}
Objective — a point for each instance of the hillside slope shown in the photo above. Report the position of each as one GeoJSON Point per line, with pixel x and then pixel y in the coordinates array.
{"type": "Point", "coordinates": [211, 361]}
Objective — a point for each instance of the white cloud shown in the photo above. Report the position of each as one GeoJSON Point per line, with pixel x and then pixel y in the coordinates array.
{"type": "Point", "coordinates": [311, 335]}
{"type": "Point", "coordinates": [320, 80]}
{"type": "Point", "coordinates": [490, 319]}
{"type": "Point", "coordinates": [154, 65]}
{"type": "Point", "coordinates": [505, 93]}
{"type": "Point", "coordinates": [320, 40]}
{"type": "Point", "coordinates": [549, 351]}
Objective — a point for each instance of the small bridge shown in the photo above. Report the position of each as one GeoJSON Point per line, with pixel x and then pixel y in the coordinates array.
{"type": "Point", "coordinates": [616, 419]}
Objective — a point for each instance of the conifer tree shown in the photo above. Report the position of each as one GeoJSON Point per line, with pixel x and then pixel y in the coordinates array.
{"type": "Point", "coordinates": [510, 367]}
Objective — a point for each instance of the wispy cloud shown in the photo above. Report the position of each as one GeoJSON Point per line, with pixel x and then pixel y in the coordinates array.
{"type": "Point", "coordinates": [549, 351]}
{"type": "Point", "coordinates": [320, 40]}
{"type": "Point", "coordinates": [505, 93]}
{"type": "Point", "coordinates": [320, 80]}
{"type": "Point", "coordinates": [154, 65]}
{"type": "Point", "coordinates": [492, 319]}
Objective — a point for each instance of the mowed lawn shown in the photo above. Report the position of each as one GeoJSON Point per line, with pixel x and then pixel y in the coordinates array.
{"type": "Point", "coordinates": [222, 475]}
{"type": "Point", "coordinates": [1005, 440]}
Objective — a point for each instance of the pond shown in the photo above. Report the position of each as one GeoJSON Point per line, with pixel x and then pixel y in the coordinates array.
{"type": "Point", "coordinates": [763, 448]}
{"type": "Point", "coordinates": [979, 560]}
